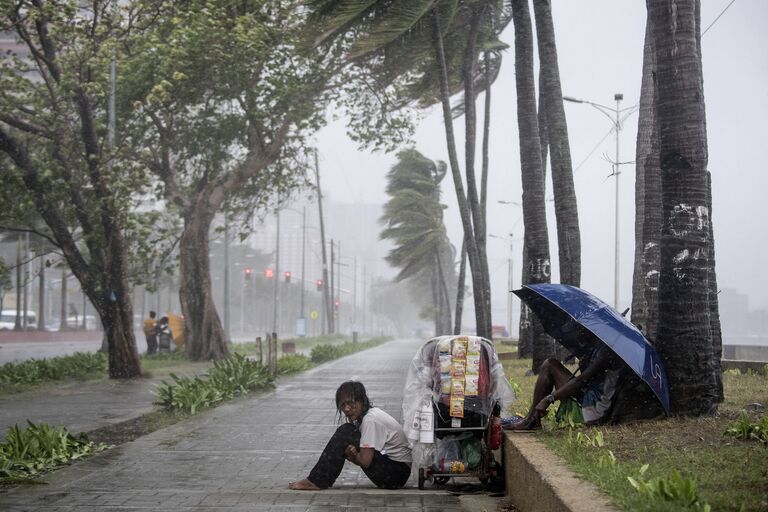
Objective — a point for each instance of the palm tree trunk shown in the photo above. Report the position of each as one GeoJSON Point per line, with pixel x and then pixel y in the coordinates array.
{"type": "Point", "coordinates": [566, 211]}
{"type": "Point", "coordinates": [464, 209]}
{"type": "Point", "coordinates": [684, 334]}
{"type": "Point", "coordinates": [483, 300]}
{"type": "Point", "coordinates": [460, 291]}
{"type": "Point", "coordinates": [536, 250]}
{"type": "Point", "coordinates": [645, 281]}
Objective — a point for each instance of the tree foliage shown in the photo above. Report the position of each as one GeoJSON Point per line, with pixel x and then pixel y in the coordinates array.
{"type": "Point", "coordinates": [413, 220]}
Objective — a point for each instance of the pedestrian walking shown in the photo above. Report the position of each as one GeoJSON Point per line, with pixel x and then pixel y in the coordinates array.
{"type": "Point", "coordinates": [150, 333]}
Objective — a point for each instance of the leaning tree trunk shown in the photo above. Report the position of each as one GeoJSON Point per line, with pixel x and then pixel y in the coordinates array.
{"type": "Point", "coordinates": [536, 249]}
{"type": "Point", "coordinates": [453, 160]}
{"type": "Point", "coordinates": [482, 300]}
{"type": "Point", "coordinates": [645, 280]}
{"type": "Point", "coordinates": [684, 334]}
{"type": "Point", "coordinates": [460, 290]}
{"type": "Point", "coordinates": [566, 211]}
{"type": "Point", "coordinates": [203, 332]}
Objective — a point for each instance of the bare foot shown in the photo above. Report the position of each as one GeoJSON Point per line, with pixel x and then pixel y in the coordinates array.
{"type": "Point", "coordinates": [303, 485]}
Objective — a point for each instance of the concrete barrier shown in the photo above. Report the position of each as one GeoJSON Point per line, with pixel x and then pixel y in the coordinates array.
{"type": "Point", "coordinates": [538, 480]}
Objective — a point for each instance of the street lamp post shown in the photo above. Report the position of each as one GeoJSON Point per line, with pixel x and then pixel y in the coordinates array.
{"type": "Point", "coordinates": [510, 278]}
{"type": "Point", "coordinates": [614, 116]}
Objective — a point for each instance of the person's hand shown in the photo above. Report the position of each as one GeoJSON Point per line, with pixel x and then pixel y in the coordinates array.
{"type": "Point", "coordinates": [350, 452]}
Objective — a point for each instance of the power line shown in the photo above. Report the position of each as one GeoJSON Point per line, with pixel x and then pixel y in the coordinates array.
{"type": "Point", "coordinates": [718, 17]}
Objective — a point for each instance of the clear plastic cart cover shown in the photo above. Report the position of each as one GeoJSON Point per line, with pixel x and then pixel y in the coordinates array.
{"type": "Point", "coordinates": [454, 371]}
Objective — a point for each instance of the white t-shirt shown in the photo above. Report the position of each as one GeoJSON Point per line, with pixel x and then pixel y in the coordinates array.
{"type": "Point", "coordinates": [381, 432]}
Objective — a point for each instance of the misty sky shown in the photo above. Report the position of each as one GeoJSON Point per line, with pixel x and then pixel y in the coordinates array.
{"type": "Point", "coordinates": [600, 48]}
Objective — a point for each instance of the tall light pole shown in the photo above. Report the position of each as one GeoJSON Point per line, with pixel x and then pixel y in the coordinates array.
{"type": "Point", "coordinates": [614, 116]}
{"type": "Point", "coordinates": [510, 276]}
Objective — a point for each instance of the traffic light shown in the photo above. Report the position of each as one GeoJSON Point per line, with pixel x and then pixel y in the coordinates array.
{"type": "Point", "coordinates": [319, 285]}
{"type": "Point", "coordinates": [269, 273]}
{"type": "Point", "coordinates": [248, 271]}
{"type": "Point", "coordinates": [287, 275]}
{"type": "Point", "coordinates": [336, 303]}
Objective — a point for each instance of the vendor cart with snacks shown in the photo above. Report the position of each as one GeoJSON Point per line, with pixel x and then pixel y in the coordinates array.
{"type": "Point", "coordinates": [455, 395]}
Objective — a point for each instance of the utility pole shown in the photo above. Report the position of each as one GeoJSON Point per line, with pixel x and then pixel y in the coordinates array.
{"type": "Point", "coordinates": [326, 284]}
{"type": "Point", "coordinates": [302, 317]}
{"type": "Point", "coordinates": [226, 277]}
{"type": "Point", "coordinates": [275, 295]}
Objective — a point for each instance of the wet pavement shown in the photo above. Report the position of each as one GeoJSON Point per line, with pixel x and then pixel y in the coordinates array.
{"type": "Point", "coordinates": [237, 457]}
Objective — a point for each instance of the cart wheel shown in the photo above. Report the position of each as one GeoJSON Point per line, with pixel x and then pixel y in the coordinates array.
{"type": "Point", "coordinates": [441, 480]}
{"type": "Point", "coordinates": [421, 479]}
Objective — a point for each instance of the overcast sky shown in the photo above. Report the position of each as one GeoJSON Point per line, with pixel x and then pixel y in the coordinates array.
{"type": "Point", "coordinates": [600, 49]}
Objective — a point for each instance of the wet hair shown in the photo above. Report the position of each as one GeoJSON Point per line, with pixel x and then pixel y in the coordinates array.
{"type": "Point", "coordinates": [152, 314]}
{"type": "Point", "coordinates": [352, 390]}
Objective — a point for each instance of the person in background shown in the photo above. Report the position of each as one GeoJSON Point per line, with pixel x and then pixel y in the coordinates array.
{"type": "Point", "coordinates": [371, 439]}
{"type": "Point", "coordinates": [164, 335]}
{"type": "Point", "coordinates": [150, 333]}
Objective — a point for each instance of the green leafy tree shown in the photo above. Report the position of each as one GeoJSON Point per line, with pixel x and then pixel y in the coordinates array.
{"type": "Point", "coordinates": [433, 47]}
{"type": "Point", "coordinates": [228, 94]}
{"type": "Point", "coordinates": [413, 220]}
{"type": "Point", "coordinates": [53, 135]}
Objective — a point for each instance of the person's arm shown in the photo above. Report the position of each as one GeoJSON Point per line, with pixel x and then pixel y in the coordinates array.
{"type": "Point", "coordinates": [572, 387]}
{"type": "Point", "coordinates": [362, 457]}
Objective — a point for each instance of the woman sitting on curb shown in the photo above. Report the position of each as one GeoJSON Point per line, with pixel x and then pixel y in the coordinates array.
{"type": "Point", "coordinates": [370, 438]}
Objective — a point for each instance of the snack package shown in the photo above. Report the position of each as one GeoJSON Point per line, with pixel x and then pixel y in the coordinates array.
{"type": "Point", "coordinates": [459, 348]}
{"type": "Point", "coordinates": [457, 388]}
{"type": "Point", "coordinates": [471, 385]}
{"type": "Point", "coordinates": [458, 368]}
{"type": "Point", "coordinates": [444, 346]}
{"type": "Point", "coordinates": [445, 383]}
{"type": "Point", "coordinates": [473, 345]}
{"type": "Point", "coordinates": [457, 407]}
{"type": "Point", "coordinates": [445, 363]}
{"type": "Point", "coordinates": [473, 364]}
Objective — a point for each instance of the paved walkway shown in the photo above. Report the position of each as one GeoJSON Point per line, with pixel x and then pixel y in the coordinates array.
{"type": "Point", "coordinates": [236, 457]}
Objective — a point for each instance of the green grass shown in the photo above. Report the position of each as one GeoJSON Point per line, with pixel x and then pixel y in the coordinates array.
{"type": "Point", "coordinates": [728, 473]}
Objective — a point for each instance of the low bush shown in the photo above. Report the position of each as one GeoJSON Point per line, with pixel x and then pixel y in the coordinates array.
{"type": "Point", "coordinates": [79, 365]}
{"type": "Point", "coordinates": [41, 448]}
{"type": "Point", "coordinates": [293, 363]}
{"type": "Point", "coordinates": [323, 353]}
{"type": "Point", "coordinates": [228, 378]}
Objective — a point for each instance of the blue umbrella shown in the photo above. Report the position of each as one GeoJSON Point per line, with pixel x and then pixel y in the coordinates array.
{"type": "Point", "coordinates": [576, 319]}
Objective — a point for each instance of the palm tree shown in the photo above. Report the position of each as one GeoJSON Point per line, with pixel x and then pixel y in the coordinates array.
{"type": "Point", "coordinates": [394, 39]}
{"type": "Point", "coordinates": [413, 219]}
{"type": "Point", "coordinates": [536, 253]}
{"type": "Point", "coordinates": [685, 305]}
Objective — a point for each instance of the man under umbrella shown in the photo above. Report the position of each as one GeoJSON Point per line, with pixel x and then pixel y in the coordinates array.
{"type": "Point", "coordinates": [593, 388]}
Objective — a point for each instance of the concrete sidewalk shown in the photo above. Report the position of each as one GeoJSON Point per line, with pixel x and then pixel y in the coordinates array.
{"type": "Point", "coordinates": [239, 456]}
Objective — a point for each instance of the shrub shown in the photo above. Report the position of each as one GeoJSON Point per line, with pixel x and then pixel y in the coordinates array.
{"type": "Point", "coordinates": [293, 363]}
{"type": "Point", "coordinates": [40, 448]}
{"type": "Point", "coordinates": [35, 371]}
{"type": "Point", "coordinates": [228, 378]}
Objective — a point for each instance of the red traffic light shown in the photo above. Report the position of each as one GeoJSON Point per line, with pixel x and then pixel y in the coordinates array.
{"type": "Point", "coordinates": [287, 275]}
{"type": "Point", "coordinates": [336, 303]}
{"type": "Point", "coordinates": [269, 273]}
{"type": "Point", "coordinates": [319, 285]}
{"type": "Point", "coordinates": [248, 271]}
